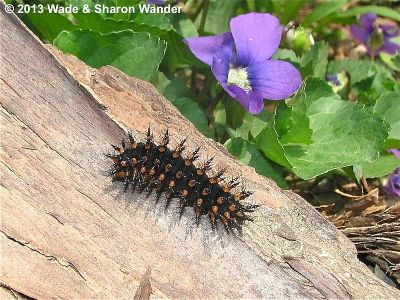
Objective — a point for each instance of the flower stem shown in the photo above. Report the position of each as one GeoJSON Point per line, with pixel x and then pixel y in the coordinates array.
{"type": "Point", "coordinates": [373, 57]}
{"type": "Point", "coordinates": [203, 17]}
{"type": "Point", "coordinates": [214, 102]}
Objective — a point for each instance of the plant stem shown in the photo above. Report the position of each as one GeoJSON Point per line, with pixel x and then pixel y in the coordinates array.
{"type": "Point", "coordinates": [203, 17]}
{"type": "Point", "coordinates": [207, 84]}
{"type": "Point", "coordinates": [197, 12]}
{"type": "Point", "coordinates": [193, 81]}
{"type": "Point", "coordinates": [214, 102]}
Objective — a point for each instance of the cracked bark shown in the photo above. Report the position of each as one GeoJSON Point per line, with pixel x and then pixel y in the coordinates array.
{"type": "Point", "coordinates": [144, 290]}
{"type": "Point", "coordinates": [64, 263]}
{"type": "Point", "coordinates": [69, 233]}
{"type": "Point", "coordinates": [8, 293]}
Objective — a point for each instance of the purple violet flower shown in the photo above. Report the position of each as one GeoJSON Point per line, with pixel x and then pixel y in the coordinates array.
{"type": "Point", "coordinates": [393, 183]}
{"type": "Point", "coordinates": [156, 2]}
{"type": "Point", "coordinates": [396, 152]}
{"type": "Point", "coordinates": [375, 37]}
{"type": "Point", "coordinates": [241, 61]}
{"type": "Point", "coordinates": [333, 79]}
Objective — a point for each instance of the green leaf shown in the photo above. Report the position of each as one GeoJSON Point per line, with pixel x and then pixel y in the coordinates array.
{"type": "Point", "coordinates": [91, 4]}
{"type": "Point", "coordinates": [96, 22]}
{"type": "Point", "coordinates": [192, 111]}
{"type": "Point", "coordinates": [177, 89]}
{"type": "Point", "coordinates": [49, 25]}
{"type": "Point", "coordinates": [289, 56]}
{"type": "Point", "coordinates": [283, 119]}
{"type": "Point", "coordinates": [392, 144]}
{"type": "Point", "coordinates": [158, 20]}
{"type": "Point", "coordinates": [314, 62]}
{"type": "Point", "coordinates": [178, 53]}
{"type": "Point", "coordinates": [391, 61]}
{"type": "Point", "coordinates": [381, 83]}
{"type": "Point", "coordinates": [124, 3]}
{"type": "Point", "coordinates": [291, 121]}
{"type": "Point", "coordinates": [243, 124]}
{"type": "Point", "coordinates": [135, 53]}
{"type": "Point", "coordinates": [253, 124]}
{"type": "Point", "coordinates": [268, 143]}
{"type": "Point", "coordinates": [183, 25]}
{"type": "Point", "coordinates": [388, 106]}
{"type": "Point", "coordinates": [287, 10]}
{"type": "Point", "coordinates": [322, 10]}
{"type": "Point", "coordinates": [157, 25]}
{"type": "Point", "coordinates": [234, 113]}
{"type": "Point", "coordinates": [248, 154]}
{"type": "Point", "coordinates": [396, 62]}
{"type": "Point", "coordinates": [180, 96]}
{"type": "Point", "coordinates": [379, 10]}
{"type": "Point", "coordinates": [220, 120]}
{"type": "Point", "coordinates": [219, 15]}
{"type": "Point", "coordinates": [382, 166]}
{"type": "Point", "coordinates": [343, 134]}
{"type": "Point", "coordinates": [292, 125]}
{"type": "Point", "coordinates": [359, 70]}
{"type": "Point", "coordinates": [160, 81]}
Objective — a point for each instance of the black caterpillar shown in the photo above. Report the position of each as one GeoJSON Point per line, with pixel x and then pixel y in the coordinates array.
{"type": "Point", "coordinates": [151, 167]}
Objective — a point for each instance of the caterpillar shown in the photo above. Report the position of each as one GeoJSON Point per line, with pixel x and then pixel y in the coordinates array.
{"type": "Point", "coordinates": [147, 166]}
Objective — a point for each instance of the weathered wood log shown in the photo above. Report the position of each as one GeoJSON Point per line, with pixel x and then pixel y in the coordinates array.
{"type": "Point", "coordinates": [68, 232]}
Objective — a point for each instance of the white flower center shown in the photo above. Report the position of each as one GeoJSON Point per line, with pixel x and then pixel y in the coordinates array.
{"type": "Point", "coordinates": [239, 77]}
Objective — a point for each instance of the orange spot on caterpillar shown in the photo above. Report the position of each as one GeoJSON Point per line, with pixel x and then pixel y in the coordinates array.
{"type": "Point", "coordinates": [120, 174]}
{"type": "Point", "coordinates": [200, 172]}
{"type": "Point", "coordinates": [205, 191]}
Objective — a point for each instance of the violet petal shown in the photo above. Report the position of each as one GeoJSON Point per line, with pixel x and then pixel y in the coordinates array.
{"type": "Point", "coordinates": [393, 184]}
{"type": "Point", "coordinates": [367, 21]}
{"type": "Point", "coordinates": [358, 33]}
{"type": "Point", "coordinates": [221, 62]}
{"type": "Point", "coordinates": [252, 101]}
{"type": "Point", "coordinates": [274, 79]}
{"type": "Point", "coordinates": [205, 48]}
{"type": "Point", "coordinates": [157, 2]}
{"type": "Point", "coordinates": [390, 31]}
{"type": "Point", "coordinates": [390, 47]}
{"type": "Point", "coordinates": [257, 37]}
{"type": "Point", "coordinates": [396, 152]}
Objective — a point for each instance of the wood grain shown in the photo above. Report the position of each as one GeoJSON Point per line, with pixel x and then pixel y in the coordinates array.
{"type": "Point", "coordinates": [67, 232]}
